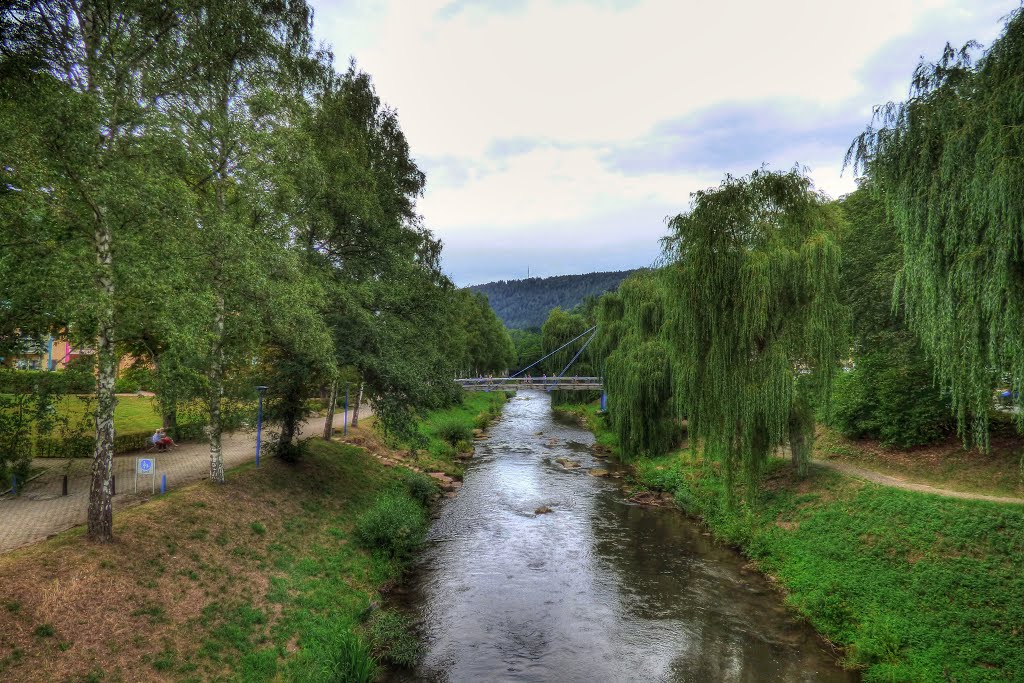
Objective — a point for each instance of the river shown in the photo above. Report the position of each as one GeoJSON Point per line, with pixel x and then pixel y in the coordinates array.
{"type": "Point", "coordinates": [596, 590]}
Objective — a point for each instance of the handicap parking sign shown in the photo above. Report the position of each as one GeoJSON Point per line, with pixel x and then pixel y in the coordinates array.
{"type": "Point", "coordinates": [145, 466]}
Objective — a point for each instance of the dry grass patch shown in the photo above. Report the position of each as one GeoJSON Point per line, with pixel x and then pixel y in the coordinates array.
{"type": "Point", "coordinates": [185, 591]}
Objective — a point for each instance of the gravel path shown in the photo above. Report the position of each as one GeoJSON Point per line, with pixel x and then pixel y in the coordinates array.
{"type": "Point", "coordinates": [887, 480]}
{"type": "Point", "coordinates": [41, 511]}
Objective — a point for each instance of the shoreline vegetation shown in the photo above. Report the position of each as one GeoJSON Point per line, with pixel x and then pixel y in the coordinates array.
{"type": "Point", "coordinates": [277, 574]}
{"type": "Point", "coordinates": [911, 586]}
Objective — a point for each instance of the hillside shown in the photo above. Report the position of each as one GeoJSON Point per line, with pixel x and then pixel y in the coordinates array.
{"type": "Point", "coordinates": [522, 304]}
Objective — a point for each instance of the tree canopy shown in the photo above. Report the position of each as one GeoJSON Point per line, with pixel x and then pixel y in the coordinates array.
{"type": "Point", "coordinates": [754, 320]}
{"type": "Point", "coordinates": [946, 164]}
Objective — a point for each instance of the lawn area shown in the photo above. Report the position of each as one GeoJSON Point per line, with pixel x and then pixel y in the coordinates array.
{"type": "Point", "coordinates": [131, 414]}
{"type": "Point", "coordinates": [916, 587]}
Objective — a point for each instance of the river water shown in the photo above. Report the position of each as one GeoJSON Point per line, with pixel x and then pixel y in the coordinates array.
{"type": "Point", "coordinates": [598, 589]}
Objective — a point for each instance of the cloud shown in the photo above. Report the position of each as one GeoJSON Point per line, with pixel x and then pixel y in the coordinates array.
{"type": "Point", "coordinates": [735, 136]}
{"type": "Point", "coordinates": [457, 7]}
{"type": "Point", "coordinates": [556, 120]}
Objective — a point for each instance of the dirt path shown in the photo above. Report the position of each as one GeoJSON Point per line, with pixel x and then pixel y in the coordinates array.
{"type": "Point", "coordinates": [887, 480]}
{"type": "Point", "coordinates": [41, 511]}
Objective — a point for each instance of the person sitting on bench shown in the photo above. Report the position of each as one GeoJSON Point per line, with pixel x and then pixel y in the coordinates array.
{"type": "Point", "coordinates": [161, 440]}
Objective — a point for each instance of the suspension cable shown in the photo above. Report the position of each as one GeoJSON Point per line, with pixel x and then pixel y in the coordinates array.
{"type": "Point", "coordinates": [577, 354]}
{"type": "Point", "coordinates": [556, 351]}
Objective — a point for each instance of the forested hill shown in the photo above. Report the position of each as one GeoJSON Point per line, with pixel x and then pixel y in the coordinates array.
{"type": "Point", "coordinates": [522, 304]}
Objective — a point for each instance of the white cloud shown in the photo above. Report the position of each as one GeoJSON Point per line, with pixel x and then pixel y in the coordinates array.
{"type": "Point", "coordinates": [588, 76]}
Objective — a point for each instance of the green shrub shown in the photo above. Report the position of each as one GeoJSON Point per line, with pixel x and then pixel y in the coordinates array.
{"type": "Point", "coordinates": [482, 420]}
{"type": "Point", "coordinates": [394, 525]}
{"type": "Point", "coordinates": [421, 488]}
{"type": "Point", "coordinates": [890, 396]}
{"type": "Point", "coordinates": [453, 430]}
{"type": "Point", "coordinates": [393, 640]}
{"type": "Point", "coordinates": [57, 382]}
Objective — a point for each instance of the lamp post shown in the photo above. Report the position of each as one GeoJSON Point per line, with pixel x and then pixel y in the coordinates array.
{"type": "Point", "coordinates": [259, 422]}
{"type": "Point", "coordinates": [345, 430]}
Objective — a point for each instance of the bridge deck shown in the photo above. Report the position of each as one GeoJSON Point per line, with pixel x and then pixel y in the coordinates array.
{"type": "Point", "coordinates": [540, 383]}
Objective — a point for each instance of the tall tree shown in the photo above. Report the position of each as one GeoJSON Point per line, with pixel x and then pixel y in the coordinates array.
{"type": "Point", "coordinates": [390, 308]}
{"type": "Point", "coordinates": [638, 364]}
{"type": "Point", "coordinates": [890, 392]}
{"type": "Point", "coordinates": [82, 80]}
{"type": "Point", "coordinates": [245, 63]}
{"type": "Point", "coordinates": [946, 164]}
{"type": "Point", "coordinates": [754, 319]}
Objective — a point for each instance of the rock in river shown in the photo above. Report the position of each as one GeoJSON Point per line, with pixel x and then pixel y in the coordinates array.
{"type": "Point", "coordinates": [542, 510]}
{"type": "Point", "coordinates": [567, 463]}
{"type": "Point", "coordinates": [598, 472]}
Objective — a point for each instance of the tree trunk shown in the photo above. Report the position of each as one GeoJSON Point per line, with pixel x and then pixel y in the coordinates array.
{"type": "Point", "coordinates": [101, 513]}
{"type": "Point", "coordinates": [170, 420]}
{"type": "Point", "coordinates": [355, 409]}
{"type": "Point", "coordinates": [329, 420]}
{"type": "Point", "coordinates": [801, 434]}
{"type": "Point", "coordinates": [217, 394]}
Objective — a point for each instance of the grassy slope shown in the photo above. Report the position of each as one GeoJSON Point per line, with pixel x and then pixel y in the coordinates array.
{"type": "Point", "coordinates": [259, 579]}
{"type": "Point", "coordinates": [918, 587]}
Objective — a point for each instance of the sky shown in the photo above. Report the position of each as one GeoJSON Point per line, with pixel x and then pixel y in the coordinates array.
{"type": "Point", "coordinates": [558, 136]}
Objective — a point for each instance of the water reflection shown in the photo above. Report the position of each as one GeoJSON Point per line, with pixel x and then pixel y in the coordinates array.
{"type": "Point", "coordinates": [597, 590]}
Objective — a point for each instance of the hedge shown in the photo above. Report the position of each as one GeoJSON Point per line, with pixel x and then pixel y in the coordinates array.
{"type": "Point", "coordinates": [81, 445]}
{"type": "Point", "coordinates": [60, 382]}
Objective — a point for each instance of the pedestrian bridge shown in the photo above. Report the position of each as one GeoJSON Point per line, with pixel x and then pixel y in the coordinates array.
{"type": "Point", "coordinates": [538, 383]}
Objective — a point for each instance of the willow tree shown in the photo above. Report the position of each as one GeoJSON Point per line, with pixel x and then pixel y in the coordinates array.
{"type": "Point", "coordinates": [638, 366]}
{"type": "Point", "coordinates": [947, 164]}
{"type": "Point", "coordinates": [754, 319]}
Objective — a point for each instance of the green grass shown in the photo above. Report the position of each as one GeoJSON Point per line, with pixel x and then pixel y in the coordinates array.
{"type": "Point", "coordinates": [916, 587]}
{"type": "Point", "coordinates": [131, 414]}
{"type": "Point", "coordinates": [282, 581]}
{"type": "Point", "coordinates": [437, 427]}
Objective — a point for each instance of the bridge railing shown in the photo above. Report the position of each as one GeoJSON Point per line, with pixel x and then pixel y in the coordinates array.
{"type": "Point", "coordinates": [542, 383]}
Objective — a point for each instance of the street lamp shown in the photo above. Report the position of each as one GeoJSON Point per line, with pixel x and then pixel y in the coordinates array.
{"type": "Point", "coordinates": [345, 431]}
{"type": "Point", "coordinates": [259, 422]}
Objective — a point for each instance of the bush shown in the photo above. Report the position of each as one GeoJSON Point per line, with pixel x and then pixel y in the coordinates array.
{"type": "Point", "coordinates": [57, 382]}
{"type": "Point", "coordinates": [394, 525]}
{"type": "Point", "coordinates": [454, 430]}
{"type": "Point", "coordinates": [393, 640]}
{"type": "Point", "coordinates": [135, 379]}
{"type": "Point", "coordinates": [890, 397]}
{"type": "Point", "coordinates": [421, 488]}
{"type": "Point", "coordinates": [482, 420]}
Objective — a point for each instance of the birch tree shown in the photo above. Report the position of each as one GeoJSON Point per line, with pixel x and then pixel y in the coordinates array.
{"type": "Point", "coordinates": [81, 82]}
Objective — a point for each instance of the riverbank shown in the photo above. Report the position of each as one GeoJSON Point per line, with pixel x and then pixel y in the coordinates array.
{"type": "Point", "coordinates": [275, 575]}
{"type": "Point", "coordinates": [915, 587]}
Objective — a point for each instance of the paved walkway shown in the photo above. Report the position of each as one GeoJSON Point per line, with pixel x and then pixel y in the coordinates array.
{"type": "Point", "coordinates": [41, 511]}
{"type": "Point", "coordinates": [896, 482]}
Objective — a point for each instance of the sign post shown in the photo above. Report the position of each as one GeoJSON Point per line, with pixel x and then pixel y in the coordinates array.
{"type": "Point", "coordinates": [145, 466]}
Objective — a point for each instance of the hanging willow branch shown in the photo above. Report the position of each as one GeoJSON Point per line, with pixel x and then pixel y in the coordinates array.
{"type": "Point", "coordinates": [753, 318]}
{"type": "Point", "coordinates": [949, 164]}
{"type": "Point", "coordinates": [638, 369]}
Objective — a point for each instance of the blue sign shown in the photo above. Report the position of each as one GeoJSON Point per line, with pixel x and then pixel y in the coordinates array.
{"type": "Point", "coordinates": [145, 466]}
